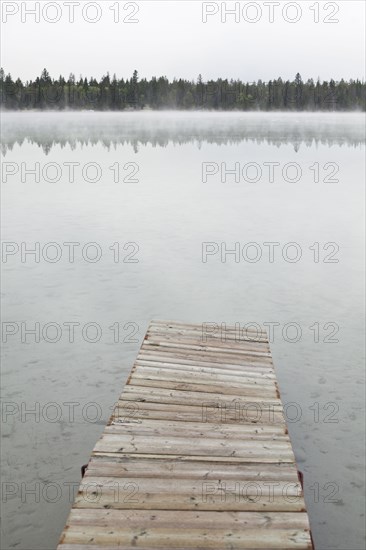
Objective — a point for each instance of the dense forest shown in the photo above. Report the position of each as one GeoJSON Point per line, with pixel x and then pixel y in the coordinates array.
{"type": "Point", "coordinates": [113, 94]}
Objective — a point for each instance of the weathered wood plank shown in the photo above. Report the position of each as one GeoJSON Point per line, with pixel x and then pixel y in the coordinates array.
{"type": "Point", "coordinates": [205, 349]}
{"type": "Point", "coordinates": [205, 335]}
{"type": "Point", "coordinates": [164, 354]}
{"type": "Point", "coordinates": [193, 458]}
{"type": "Point", "coordinates": [172, 396]}
{"type": "Point", "coordinates": [199, 377]}
{"type": "Point", "coordinates": [194, 429]}
{"type": "Point", "coordinates": [255, 391]}
{"type": "Point", "coordinates": [188, 519]}
{"type": "Point", "coordinates": [252, 450]}
{"type": "Point", "coordinates": [209, 412]}
{"type": "Point", "coordinates": [211, 370]}
{"type": "Point", "coordinates": [189, 494]}
{"type": "Point", "coordinates": [190, 538]}
{"type": "Point", "coordinates": [113, 466]}
{"type": "Point", "coordinates": [191, 342]}
{"type": "Point", "coordinates": [207, 327]}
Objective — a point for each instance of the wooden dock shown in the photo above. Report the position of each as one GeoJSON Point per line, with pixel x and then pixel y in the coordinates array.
{"type": "Point", "coordinates": [196, 454]}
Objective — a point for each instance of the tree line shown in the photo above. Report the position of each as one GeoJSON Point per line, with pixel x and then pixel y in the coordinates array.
{"type": "Point", "coordinates": [113, 94]}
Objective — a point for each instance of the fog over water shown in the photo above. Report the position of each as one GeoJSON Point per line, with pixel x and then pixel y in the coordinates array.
{"type": "Point", "coordinates": [160, 185]}
{"type": "Point", "coordinates": [161, 128]}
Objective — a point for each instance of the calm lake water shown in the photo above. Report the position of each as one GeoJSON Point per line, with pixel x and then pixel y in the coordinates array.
{"type": "Point", "coordinates": [138, 194]}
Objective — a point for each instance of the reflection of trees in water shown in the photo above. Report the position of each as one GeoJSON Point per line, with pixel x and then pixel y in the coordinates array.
{"type": "Point", "coordinates": [161, 133]}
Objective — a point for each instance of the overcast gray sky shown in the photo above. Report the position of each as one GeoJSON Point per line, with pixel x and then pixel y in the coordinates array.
{"type": "Point", "coordinates": [170, 38]}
